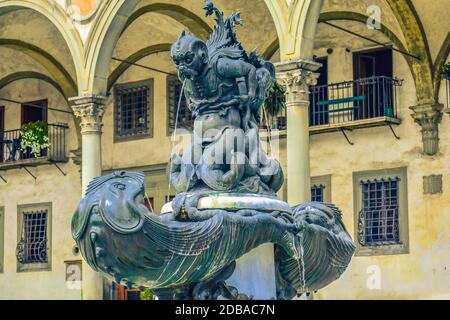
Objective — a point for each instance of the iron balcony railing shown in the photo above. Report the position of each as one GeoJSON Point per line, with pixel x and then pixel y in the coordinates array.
{"type": "Point", "coordinates": [11, 152]}
{"type": "Point", "coordinates": [348, 101]}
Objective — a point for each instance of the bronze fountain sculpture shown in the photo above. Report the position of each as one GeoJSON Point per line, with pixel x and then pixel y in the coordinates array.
{"type": "Point", "coordinates": [226, 185]}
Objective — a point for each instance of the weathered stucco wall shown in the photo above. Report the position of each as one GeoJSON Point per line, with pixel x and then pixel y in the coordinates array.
{"type": "Point", "coordinates": [51, 186]}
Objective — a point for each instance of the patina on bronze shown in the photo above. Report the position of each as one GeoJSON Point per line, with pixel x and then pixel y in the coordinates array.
{"type": "Point", "coordinates": [226, 187]}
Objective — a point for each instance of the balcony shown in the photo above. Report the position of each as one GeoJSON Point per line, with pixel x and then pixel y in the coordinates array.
{"type": "Point", "coordinates": [348, 105]}
{"type": "Point", "coordinates": [55, 153]}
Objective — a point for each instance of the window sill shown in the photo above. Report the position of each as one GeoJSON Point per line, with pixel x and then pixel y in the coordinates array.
{"type": "Point", "coordinates": [382, 250]}
{"type": "Point", "coordinates": [34, 267]}
{"type": "Point", "coordinates": [133, 138]}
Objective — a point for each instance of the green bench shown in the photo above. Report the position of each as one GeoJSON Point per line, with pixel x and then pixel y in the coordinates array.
{"type": "Point", "coordinates": [339, 101]}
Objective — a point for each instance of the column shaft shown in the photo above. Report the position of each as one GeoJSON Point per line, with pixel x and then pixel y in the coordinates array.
{"type": "Point", "coordinates": [90, 110]}
{"type": "Point", "coordinates": [296, 76]}
{"type": "Point", "coordinates": [299, 185]}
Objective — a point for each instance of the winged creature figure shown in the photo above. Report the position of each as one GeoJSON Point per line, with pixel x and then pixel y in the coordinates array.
{"type": "Point", "coordinates": [225, 89]}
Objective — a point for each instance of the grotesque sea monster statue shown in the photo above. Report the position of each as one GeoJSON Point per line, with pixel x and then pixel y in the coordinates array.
{"type": "Point", "coordinates": [226, 185]}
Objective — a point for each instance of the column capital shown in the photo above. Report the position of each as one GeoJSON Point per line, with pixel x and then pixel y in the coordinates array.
{"type": "Point", "coordinates": [295, 76]}
{"type": "Point", "coordinates": [90, 109]}
{"type": "Point", "coordinates": [428, 115]}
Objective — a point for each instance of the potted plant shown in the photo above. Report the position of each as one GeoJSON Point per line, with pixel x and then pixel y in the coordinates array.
{"type": "Point", "coordinates": [275, 101]}
{"type": "Point", "coordinates": [34, 137]}
{"type": "Point", "coordinates": [446, 71]}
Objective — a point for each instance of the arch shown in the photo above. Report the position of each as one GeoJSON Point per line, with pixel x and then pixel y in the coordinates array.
{"type": "Point", "coordinates": [31, 75]}
{"type": "Point", "coordinates": [135, 57]}
{"type": "Point", "coordinates": [358, 17]}
{"type": "Point", "coordinates": [296, 25]}
{"type": "Point", "coordinates": [193, 22]}
{"type": "Point", "coordinates": [113, 19]}
{"type": "Point", "coordinates": [56, 15]}
{"type": "Point", "coordinates": [53, 66]}
{"type": "Point", "coordinates": [416, 41]}
{"type": "Point", "coordinates": [441, 58]}
{"type": "Point", "coordinates": [350, 16]}
{"type": "Point", "coordinates": [271, 49]}
{"type": "Point", "coordinates": [39, 76]}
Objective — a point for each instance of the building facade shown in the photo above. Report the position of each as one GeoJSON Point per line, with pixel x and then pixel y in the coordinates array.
{"type": "Point", "coordinates": [366, 127]}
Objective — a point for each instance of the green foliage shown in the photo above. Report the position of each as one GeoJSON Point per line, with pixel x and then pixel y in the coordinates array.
{"type": "Point", "coordinates": [275, 101]}
{"type": "Point", "coordinates": [446, 70]}
{"type": "Point", "coordinates": [34, 135]}
{"type": "Point", "coordinates": [147, 294]}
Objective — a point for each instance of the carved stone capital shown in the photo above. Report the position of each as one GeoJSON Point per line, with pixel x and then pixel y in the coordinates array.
{"type": "Point", "coordinates": [90, 110]}
{"type": "Point", "coordinates": [295, 76]}
{"type": "Point", "coordinates": [428, 115]}
{"type": "Point", "coordinates": [447, 111]}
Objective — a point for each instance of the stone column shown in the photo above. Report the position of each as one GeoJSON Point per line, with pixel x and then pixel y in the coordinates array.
{"type": "Point", "coordinates": [428, 115]}
{"type": "Point", "coordinates": [90, 110]}
{"type": "Point", "coordinates": [296, 76]}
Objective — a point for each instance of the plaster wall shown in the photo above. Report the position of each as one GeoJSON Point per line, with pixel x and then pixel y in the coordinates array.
{"type": "Point", "coordinates": [51, 186]}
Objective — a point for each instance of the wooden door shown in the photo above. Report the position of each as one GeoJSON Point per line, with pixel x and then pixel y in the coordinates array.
{"type": "Point", "coordinates": [34, 111]}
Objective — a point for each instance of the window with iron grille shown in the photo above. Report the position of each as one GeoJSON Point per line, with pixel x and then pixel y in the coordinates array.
{"type": "Point", "coordinates": [133, 110]}
{"type": "Point", "coordinates": [317, 192]}
{"type": "Point", "coordinates": [381, 212]}
{"type": "Point", "coordinates": [185, 119]}
{"type": "Point", "coordinates": [34, 238]}
{"type": "Point", "coordinates": [321, 188]}
{"type": "Point", "coordinates": [33, 247]}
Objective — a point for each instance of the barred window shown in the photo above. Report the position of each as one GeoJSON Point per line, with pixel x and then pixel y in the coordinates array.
{"type": "Point", "coordinates": [34, 237]}
{"type": "Point", "coordinates": [32, 247]}
{"type": "Point", "coordinates": [317, 193]}
{"type": "Point", "coordinates": [321, 188]}
{"type": "Point", "coordinates": [380, 212]}
{"type": "Point", "coordinates": [185, 119]}
{"type": "Point", "coordinates": [133, 110]}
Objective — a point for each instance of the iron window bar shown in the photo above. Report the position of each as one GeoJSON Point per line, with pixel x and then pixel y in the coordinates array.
{"type": "Point", "coordinates": [317, 193]}
{"type": "Point", "coordinates": [185, 117]}
{"type": "Point", "coordinates": [32, 247]}
{"type": "Point", "coordinates": [378, 221]}
{"type": "Point", "coordinates": [133, 111]}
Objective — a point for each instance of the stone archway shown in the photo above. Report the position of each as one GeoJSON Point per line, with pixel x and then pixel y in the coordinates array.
{"type": "Point", "coordinates": [296, 23]}
{"type": "Point", "coordinates": [17, 76]}
{"type": "Point", "coordinates": [50, 63]}
{"type": "Point", "coordinates": [56, 17]}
